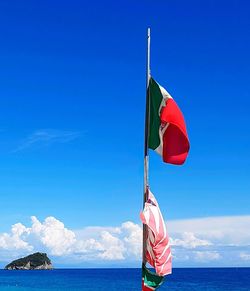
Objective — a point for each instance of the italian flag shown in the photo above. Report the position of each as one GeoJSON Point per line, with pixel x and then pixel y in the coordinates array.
{"type": "Point", "coordinates": [167, 129]}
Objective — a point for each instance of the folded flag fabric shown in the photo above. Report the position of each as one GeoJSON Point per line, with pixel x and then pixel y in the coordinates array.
{"type": "Point", "coordinates": [158, 251]}
{"type": "Point", "coordinates": [150, 280]}
{"type": "Point", "coordinates": [167, 129]}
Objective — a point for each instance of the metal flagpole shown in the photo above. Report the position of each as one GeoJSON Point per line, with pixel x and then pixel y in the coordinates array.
{"type": "Point", "coordinates": [146, 155]}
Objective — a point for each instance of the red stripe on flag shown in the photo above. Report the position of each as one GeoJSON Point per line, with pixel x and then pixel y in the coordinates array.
{"type": "Point", "coordinates": [175, 139]}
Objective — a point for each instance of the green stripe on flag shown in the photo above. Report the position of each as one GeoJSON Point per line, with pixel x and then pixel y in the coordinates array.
{"type": "Point", "coordinates": [151, 279]}
{"type": "Point", "coordinates": [155, 99]}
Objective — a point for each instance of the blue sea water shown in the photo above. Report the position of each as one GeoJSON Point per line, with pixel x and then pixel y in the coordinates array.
{"type": "Point", "coordinates": [230, 279]}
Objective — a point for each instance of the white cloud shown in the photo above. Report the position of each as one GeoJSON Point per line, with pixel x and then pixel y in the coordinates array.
{"type": "Point", "coordinates": [190, 241]}
{"type": "Point", "coordinates": [205, 256]}
{"type": "Point", "coordinates": [219, 240]}
{"type": "Point", "coordinates": [45, 137]}
{"type": "Point", "coordinates": [91, 243]}
{"type": "Point", "coordinates": [227, 230]}
{"type": "Point", "coordinates": [132, 238]}
{"type": "Point", "coordinates": [110, 243]}
{"type": "Point", "coordinates": [15, 240]}
{"type": "Point", "coordinates": [245, 256]}
{"type": "Point", "coordinates": [113, 247]}
{"type": "Point", "coordinates": [53, 235]}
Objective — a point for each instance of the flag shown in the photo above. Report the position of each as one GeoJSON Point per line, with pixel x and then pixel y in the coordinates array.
{"type": "Point", "coordinates": [150, 280]}
{"type": "Point", "coordinates": [158, 252]}
{"type": "Point", "coordinates": [167, 129]}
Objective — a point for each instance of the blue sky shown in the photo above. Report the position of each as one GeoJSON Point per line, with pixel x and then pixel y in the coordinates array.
{"type": "Point", "coordinates": [72, 109]}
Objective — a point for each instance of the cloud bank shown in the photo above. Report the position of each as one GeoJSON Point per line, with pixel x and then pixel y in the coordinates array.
{"type": "Point", "coordinates": [212, 241]}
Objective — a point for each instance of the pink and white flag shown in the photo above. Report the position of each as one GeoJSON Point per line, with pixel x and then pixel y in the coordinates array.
{"type": "Point", "coordinates": [158, 251]}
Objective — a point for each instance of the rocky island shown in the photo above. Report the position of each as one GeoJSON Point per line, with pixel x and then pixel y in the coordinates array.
{"type": "Point", "coordinates": [36, 261]}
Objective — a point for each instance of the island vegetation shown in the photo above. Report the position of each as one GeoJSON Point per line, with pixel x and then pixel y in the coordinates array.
{"type": "Point", "coordinates": [36, 261]}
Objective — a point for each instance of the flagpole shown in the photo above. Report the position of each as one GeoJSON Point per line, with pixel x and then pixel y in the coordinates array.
{"type": "Point", "coordinates": [147, 112]}
{"type": "Point", "coordinates": [146, 154]}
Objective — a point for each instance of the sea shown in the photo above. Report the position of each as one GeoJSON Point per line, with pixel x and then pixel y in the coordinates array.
{"type": "Point", "coordinates": [202, 279]}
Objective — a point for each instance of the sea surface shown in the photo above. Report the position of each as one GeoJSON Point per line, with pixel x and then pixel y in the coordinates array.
{"type": "Point", "coordinates": [233, 279]}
